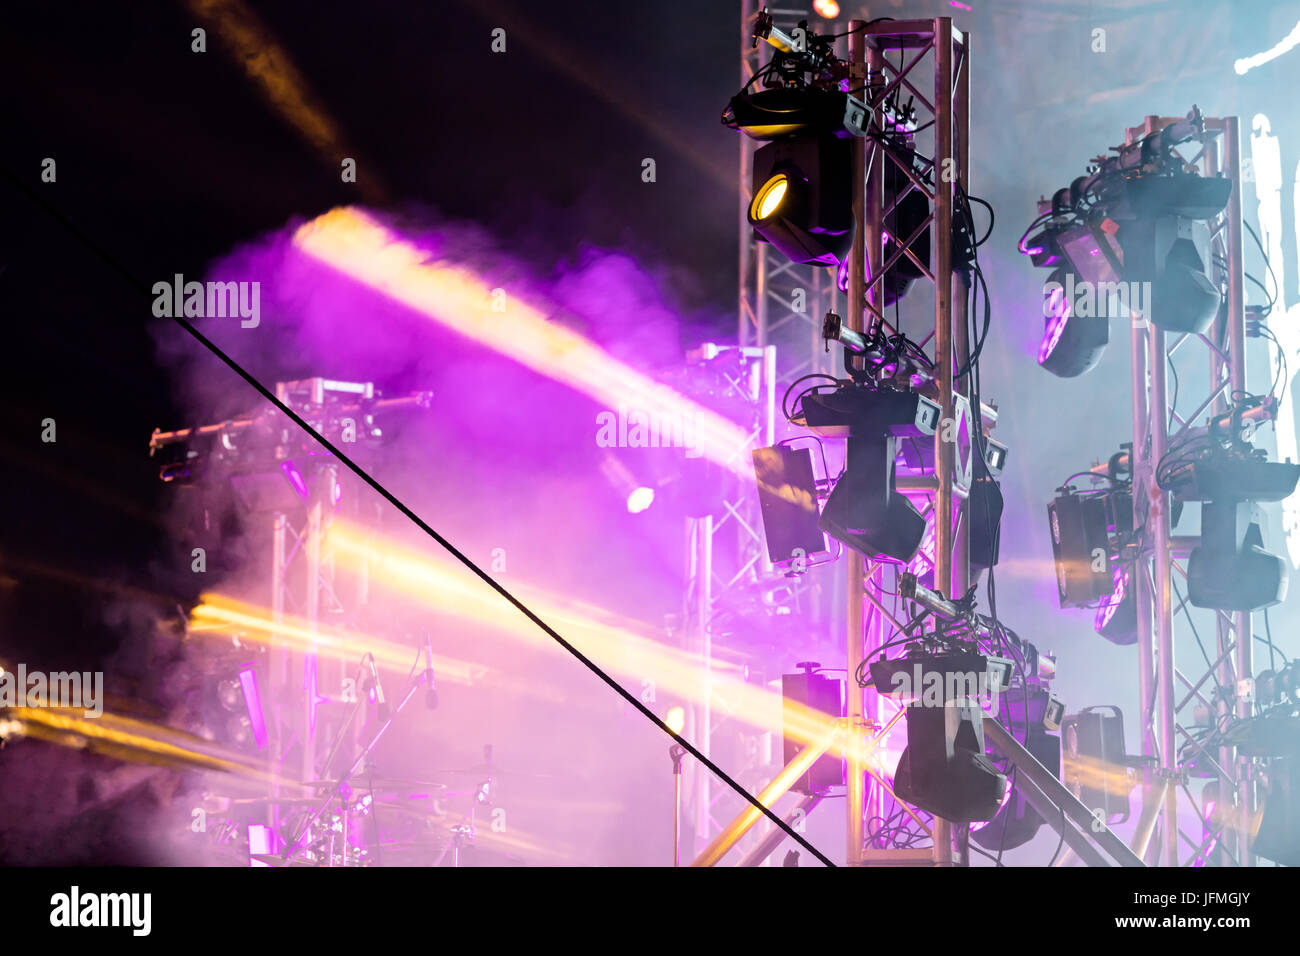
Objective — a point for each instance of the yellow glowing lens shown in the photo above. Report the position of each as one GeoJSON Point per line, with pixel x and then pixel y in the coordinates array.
{"type": "Point", "coordinates": [770, 196]}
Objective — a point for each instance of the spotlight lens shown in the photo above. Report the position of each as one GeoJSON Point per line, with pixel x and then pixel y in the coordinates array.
{"type": "Point", "coordinates": [640, 499]}
{"type": "Point", "coordinates": [229, 694]}
{"type": "Point", "coordinates": [1058, 311]}
{"type": "Point", "coordinates": [770, 196]}
{"type": "Point", "coordinates": [827, 8]}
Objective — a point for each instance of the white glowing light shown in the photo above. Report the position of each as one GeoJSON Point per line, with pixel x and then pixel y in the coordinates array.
{"type": "Point", "coordinates": [640, 499]}
{"type": "Point", "coordinates": [1266, 163]}
{"type": "Point", "coordinates": [1287, 43]}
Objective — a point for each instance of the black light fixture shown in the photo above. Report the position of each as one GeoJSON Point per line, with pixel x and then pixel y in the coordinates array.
{"type": "Point", "coordinates": [801, 180]}
{"type": "Point", "coordinates": [985, 511]}
{"type": "Point", "coordinates": [1080, 547]}
{"type": "Point", "coordinates": [1277, 836]}
{"type": "Point", "coordinates": [812, 689]}
{"type": "Point", "coordinates": [1170, 255]}
{"type": "Point", "coordinates": [864, 511]}
{"type": "Point", "coordinates": [1094, 763]}
{"type": "Point", "coordinates": [1072, 343]}
{"type": "Point", "coordinates": [787, 498]}
{"type": "Point", "coordinates": [944, 768]}
{"type": "Point", "coordinates": [1230, 570]}
{"type": "Point", "coordinates": [802, 200]}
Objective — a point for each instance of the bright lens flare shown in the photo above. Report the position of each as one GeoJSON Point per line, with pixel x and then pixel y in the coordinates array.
{"type": "Point", "coordinates": [770, 196]}
{"type": "Point", "coordinates": [640, 499]}
{"type": "Point", "coordinates": [675, 719]}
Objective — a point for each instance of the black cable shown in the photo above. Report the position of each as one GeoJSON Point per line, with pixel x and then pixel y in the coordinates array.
{"type": "Point", "coordinates": [1267, 264]}
{"type": "Point", "coordinates": [1271, 646]}
{"type": "Point", "coordinates": [1173, 405]}
{"type": "Point", "coordinates": [1060, 843]}
{"type": "Point", "coordinates": [861, 26]}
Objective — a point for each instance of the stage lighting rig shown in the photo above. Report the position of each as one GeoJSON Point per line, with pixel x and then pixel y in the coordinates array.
{"type": "Point", "coordinates": [346, 413]}
{"type": "Point", "coordinates": [802, 174]}
{"type": "Point", "coordinates": [1131, 238]}
{"type": "Point", "coordinates": [942, 675]}
{"type": "Point", "coordinates": [1230, 570]}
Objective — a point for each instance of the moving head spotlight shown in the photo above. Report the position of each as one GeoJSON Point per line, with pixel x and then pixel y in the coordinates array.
{"type": "Point", "coordinates": [864, 511]}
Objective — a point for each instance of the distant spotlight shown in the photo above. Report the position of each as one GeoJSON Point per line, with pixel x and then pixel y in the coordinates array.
{"type": "Point", "coordinates": [675, 719]}
{"type": "Point", "coordinates": [826, 8]}
{"type": "Point", "coordinates": [640, 499]}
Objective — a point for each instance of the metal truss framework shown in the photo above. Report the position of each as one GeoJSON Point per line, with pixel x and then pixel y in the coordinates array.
{"type": "Point", "coordinates": [780, 308]}
{"type": "Point", "coordinates": [768, 312]}
{"type": "Point", "coordinates": [940, 492]}
{"type": "Point", "coordinates": [750, 375]}
{"type": "Point", "coordinates": [946, 99]}
{"type": "Point", "coordinates": [1156, 425]}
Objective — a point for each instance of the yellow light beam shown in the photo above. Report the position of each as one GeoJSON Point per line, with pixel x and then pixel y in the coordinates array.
{"type": "Point", "coordinates": [217, 612]}
{"type": "Point", "coordinates": [750, 814]}
{"type": "Point", "coordinates": [615, 646]}
{"type": "Point", "coordinates": [353, 243]}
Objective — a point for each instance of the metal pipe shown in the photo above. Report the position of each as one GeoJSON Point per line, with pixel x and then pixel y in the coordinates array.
{"type": "Point", "coordinates": [961, 134]}
{"type": "Point", "coordinates": [1151, 801]}
{"type": "Point", "coordinates": [1241, 620]}
{"type": "Point", "coordinates": [944, 451]}
{"type": "Point", "coordinates": [1158, 525]}
{"type": "Point", "coordinates": [866, 246]}
{"type": "Point", "coordinates": [1061, 799]}
{"type": "Point", "coordinates": [703, 638]}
